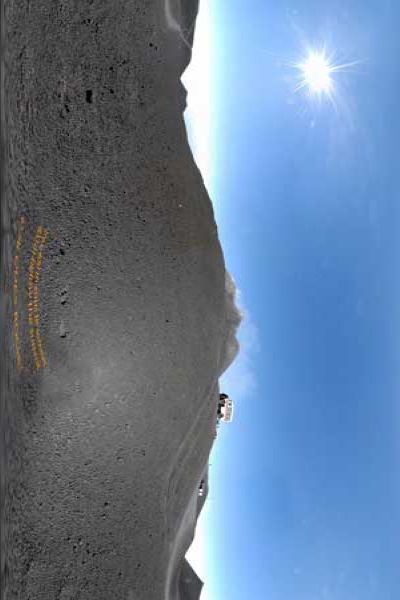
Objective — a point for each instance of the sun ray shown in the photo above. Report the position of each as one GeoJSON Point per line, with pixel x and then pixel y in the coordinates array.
{"type": "Point", "coordinates": [318, 75]}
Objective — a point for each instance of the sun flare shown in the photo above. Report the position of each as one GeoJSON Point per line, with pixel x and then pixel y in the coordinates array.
{"type": "Point", "coordinates": [320, 76]}
{"type": "Point", "coordinates": [316, 73]}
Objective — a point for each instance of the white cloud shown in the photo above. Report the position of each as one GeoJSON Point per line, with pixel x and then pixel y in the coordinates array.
{"type": "Point", "coordinates": [197, 80]}
{"type": "Point", "coordinates": [240, 378]}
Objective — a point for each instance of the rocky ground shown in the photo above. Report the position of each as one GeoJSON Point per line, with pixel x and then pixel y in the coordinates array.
{"type": "Point", "coordinates": [116, 323]}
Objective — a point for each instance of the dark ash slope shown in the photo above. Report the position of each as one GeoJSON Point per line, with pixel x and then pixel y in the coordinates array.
{"type": "Point", "coordinates": [103, 448]}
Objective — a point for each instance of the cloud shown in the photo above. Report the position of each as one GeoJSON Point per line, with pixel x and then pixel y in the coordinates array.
{"type": "Point", "coordinates": [237, 368]}
{"type": "Point", "coordinates": [240, 374]}
{"type": "Point", "coordinates": [196, 80]}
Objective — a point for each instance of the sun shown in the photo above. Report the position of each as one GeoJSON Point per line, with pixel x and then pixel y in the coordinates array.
{"type": "Point", "coordinates": [317, 73]}
{"type": "Point", "coordinates": [318, 78]}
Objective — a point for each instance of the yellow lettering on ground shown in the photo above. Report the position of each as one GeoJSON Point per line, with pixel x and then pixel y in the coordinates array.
{"type": "Point", "coordinates": [15, 294]}
{"type": "Point", "coordinates": [39, 259]}
{"type": "Point", "coordinates": [35, 266]}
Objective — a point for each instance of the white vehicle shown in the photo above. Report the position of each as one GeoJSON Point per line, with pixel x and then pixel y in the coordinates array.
{"type": "Point", "coordinates": [201, 488]}
{"type": "Point", "coordinates": [226, 409]}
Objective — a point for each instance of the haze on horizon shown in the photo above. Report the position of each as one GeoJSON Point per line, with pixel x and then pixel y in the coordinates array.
{"type": "Point", "coordinates": [305, 198]}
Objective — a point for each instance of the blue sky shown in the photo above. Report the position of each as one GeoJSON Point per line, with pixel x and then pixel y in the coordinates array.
{"type": "Point", "coordinates": [305, 485]}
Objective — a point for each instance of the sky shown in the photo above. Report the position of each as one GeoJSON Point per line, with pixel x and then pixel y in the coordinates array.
{"type": "Point", "coordinates": [304, 500]}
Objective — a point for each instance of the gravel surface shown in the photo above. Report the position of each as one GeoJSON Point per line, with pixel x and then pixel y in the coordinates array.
{"type": "Point", "coordinates": [116, 318]}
